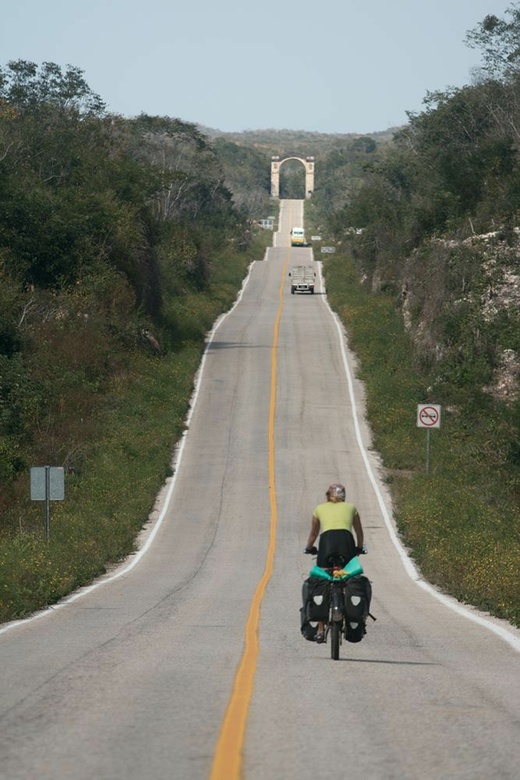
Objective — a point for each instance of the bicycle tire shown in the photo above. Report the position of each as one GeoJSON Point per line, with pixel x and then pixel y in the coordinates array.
{"type": "Point", "coordinates": [335, 639]}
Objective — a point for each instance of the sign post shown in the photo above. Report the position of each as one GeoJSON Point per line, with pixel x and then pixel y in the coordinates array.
{"type": "Point", "coordinates": [47, 484]}
{"type": "Point", "coordinates": [428, 416]}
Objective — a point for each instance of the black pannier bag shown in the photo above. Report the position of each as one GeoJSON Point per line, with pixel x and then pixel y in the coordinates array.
{"type": "Point", "coordinates": [357, 595]}
{"type": "Point", "coordinates": [316, 606]}
{"type": "Point", "coordinates": [315, 595]}
{"type": "Point", "coordinates": [354, 632]}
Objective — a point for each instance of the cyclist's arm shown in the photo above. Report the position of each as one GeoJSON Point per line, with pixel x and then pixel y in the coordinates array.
{"type": "Point", "coordinates": [315, 530]}
{"type": "Point", "coordinates": [358, 529]}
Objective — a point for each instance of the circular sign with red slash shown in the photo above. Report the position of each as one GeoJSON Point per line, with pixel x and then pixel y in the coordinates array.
{"type": "Point", "coordinates": [428, 416]}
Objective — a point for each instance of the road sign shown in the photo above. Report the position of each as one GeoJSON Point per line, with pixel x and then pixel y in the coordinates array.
{"type": "Point", "coordinates": [428, 416]}
{"type": "Point", "coordinates": [47, 482]}
{"type": "Point", "coordinates": [328, 250]}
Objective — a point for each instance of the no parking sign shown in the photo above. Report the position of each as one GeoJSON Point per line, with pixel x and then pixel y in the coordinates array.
{"type": "Point", "coordinates": [428, 416]}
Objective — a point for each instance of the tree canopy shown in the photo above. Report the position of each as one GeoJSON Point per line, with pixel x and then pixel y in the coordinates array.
{"type": "Point", "coordinates": [105, 224]}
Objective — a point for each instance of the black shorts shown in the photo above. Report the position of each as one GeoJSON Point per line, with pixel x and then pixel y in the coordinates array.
{"type": "Point", "coordinates": [335, 548]}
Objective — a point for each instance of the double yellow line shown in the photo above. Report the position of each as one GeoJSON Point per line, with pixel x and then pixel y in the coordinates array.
{"type": "Point", "coordinates": [227, 761]}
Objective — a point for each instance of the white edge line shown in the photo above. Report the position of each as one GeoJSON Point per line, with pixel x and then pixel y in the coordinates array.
{"type": "Point", "coordinates": [136, 557]}
{"type": "Point", "coordinates": [408, 564]}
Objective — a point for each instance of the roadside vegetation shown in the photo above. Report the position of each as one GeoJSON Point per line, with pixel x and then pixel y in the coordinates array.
{"type": "Point", "coordinates": [120, 245]}
{"type": "Point", "coordinates": [460, 521]}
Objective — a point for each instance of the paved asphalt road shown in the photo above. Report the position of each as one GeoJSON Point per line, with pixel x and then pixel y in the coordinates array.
{"type": "Point", "coordinates": [133, 678]}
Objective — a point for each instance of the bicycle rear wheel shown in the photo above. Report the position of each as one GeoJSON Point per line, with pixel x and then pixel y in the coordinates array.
{"type": "Point", "coordinates": [335, 638]}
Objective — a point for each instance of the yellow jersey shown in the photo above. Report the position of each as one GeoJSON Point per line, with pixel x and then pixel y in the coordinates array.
{"type": "Point", "coordinates": [335, 516]}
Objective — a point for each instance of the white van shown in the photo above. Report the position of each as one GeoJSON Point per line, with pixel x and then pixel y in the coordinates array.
{"type": "Point", "coordinates": [298, 237]}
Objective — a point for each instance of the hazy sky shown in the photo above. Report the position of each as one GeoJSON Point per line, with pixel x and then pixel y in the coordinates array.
{"type": "Point", "coordinates": [334, 66]}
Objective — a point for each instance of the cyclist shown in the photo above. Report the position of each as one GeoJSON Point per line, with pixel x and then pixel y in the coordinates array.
{"type": "Point", "coordinates": [333, 522]}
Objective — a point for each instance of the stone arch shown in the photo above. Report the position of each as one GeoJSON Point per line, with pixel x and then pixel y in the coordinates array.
{"type": "Point", "coordinates": [276, 164]}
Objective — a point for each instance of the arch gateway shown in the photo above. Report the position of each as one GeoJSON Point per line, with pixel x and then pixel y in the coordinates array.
{"type": "Point", "coordinates": [276, 164]}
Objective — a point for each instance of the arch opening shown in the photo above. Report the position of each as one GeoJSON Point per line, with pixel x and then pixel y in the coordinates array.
{"type": "Point", "coordinates": [276, 164]}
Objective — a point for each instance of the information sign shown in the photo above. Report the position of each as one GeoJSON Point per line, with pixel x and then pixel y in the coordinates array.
{"type": "Point", "coordinates": [52, 487]}
{"type": "Point", "coordinates": [47, 484]}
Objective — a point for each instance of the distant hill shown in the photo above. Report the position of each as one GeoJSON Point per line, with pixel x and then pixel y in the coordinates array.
{"type": "Point", "coordinates": [303, 142]}
{"type": "Point", "coordinates": [246, 160]}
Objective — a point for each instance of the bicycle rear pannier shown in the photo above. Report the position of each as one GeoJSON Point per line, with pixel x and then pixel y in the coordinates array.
{"type": "Point", "coordinates": [354, 632]}
{"type": "Point", "coordinates": [358, 594]}
{"type": "Point", "coordinates": [315, 595]}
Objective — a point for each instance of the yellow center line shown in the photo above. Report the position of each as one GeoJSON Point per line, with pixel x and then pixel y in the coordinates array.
{"type": "Point", "coordinates": [227, 761]}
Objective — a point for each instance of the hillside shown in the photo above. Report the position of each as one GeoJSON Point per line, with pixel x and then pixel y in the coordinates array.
{"type": "Point", "coordinates": [339, 162]}
{"type": "Point", "coordinates": [119, 247]}
{"type": "Point", "coordinates": [301, 141]}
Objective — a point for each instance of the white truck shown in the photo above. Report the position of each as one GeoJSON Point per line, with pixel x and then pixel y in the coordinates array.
{"type": "Point", "coordinates": [298, 237]}
{"type": "Point", "coordinates": [302, 279]}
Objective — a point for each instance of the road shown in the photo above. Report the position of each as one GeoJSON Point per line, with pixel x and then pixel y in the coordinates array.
{"type": "Point", "coordinates": [188, 662]}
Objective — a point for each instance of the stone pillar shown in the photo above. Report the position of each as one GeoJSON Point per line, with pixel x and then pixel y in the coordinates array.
{"type": "Point", "coordinates": [309, 176]}
{"type": "Point", "coordinates": [275, 177]}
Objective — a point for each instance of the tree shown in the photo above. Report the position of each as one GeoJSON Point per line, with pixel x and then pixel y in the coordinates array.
{"type": "Point", "coordinates": [27, 86]}
{"type": "Point", "coordinates": [247, 175]}
{"type": "Point", "coordinates": [499, 42]}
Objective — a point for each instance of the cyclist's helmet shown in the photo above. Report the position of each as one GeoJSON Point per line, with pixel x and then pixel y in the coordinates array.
{"type": "Point", "coordinates": [336, 491]}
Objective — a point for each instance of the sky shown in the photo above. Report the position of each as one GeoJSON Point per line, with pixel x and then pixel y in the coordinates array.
{"type": "Point", "coordinates": [328, 66]}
